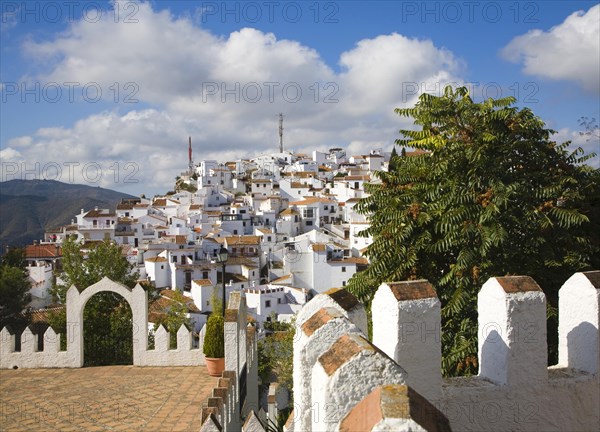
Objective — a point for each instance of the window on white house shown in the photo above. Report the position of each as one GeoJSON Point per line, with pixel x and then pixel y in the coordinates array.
{"type": "Point", "coordinates": [174, 258]}
{"type": "Point", "coordinates": [309, 223]}
{"type": "Point", "coordinates": [162, 267]}
{"type": "Point", "coordinates": [278, 301]}
{"type": "Point", "coordinates": [344, 283]}
{"type": "Point", "coordinates": [343, 269]}
{"type": "Point", "coordinates": [268, 303]}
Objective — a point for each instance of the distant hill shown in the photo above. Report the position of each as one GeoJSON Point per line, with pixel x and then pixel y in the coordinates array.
{"type": "Point", "coordinates": [29, 207]}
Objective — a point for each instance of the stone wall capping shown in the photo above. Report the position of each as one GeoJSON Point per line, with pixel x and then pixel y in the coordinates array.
{"type": "Point", "coordinates": [343, 385]}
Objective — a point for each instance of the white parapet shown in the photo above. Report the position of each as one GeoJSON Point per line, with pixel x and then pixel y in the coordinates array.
{"type": "Point", "coordinates": [29, 356]}
{"type": "Point", "coordinates": [579, 322]}
{"type": "Point", "coordinates": [340, 299]}
{"type": "Point", "coordinates": [314, 337]}
{"type": "Point", "coordinates": [344, 375]}
{"type": "Point", "coordinates": [406, 326]}
{"type": "Point", "coordinates": [512, 331]}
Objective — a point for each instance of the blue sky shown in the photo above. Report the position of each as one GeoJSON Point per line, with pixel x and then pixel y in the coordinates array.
{"type": "Point", "coordinates": [109, 96]}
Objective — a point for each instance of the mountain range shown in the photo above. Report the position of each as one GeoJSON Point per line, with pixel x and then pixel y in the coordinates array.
{"type": "Point", "coordinates": [29, 207]}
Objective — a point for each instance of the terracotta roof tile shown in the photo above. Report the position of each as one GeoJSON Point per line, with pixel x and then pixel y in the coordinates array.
{"type": "Point", "coordinates": [355, 260]}
{"type": "Point", "coordinates": [312, 200]}
{"type": "Point", "coordinates": [319, 247]}
{"type": "Point", "coordinates": [345, 348]}
{"type": "Point", "coordinates": [282, 279]}
{"type": "Point", "coordinates": [344, 298]}
{"type": "Point", "coordinates": [516, 284]}
{"type": "Point", "coordinates": [412, 290]}
{"type": "Point", "coordinates": [288, 212]}
{"type": "Point", "coordinates": [167, 299]}
{"type": "Point", "coordinates": [202, 282]}
{"type": "Point", "coordinates": [156, 259]}
{"type": "Point", "coordinates": [242, 240]}
{"type": "Point", "coordinates": [99, 213]}
{"type": "Point", "coordinates": [358, 177]}
{"type": "Point", "coordinates": [41, 315]}
{"type": "Point", "coordinates": [394, 401]}
{"type": "Point", "coordinates": [319, 319]}
{"type": "Point", "coordinates": [43, 251]}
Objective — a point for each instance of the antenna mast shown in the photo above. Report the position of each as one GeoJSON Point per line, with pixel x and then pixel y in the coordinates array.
{"type": "Point", "coordinates": [280, 133]}
{"type": "Point", "coordinates": [190, 163]}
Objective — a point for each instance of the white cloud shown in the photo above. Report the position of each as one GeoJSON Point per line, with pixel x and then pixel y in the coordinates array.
{"type": "Point", "coordinates": [569, 51]}
{"type": "Point", "coordinates": [10, 154]}
{"type": "Point", "coordinates": [182, 69]}
{"type": "Point", "coordinates": [589, 143]}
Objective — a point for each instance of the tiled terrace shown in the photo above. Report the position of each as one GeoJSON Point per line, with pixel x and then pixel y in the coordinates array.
{"type": "Point", "coordinates": [111, 398]}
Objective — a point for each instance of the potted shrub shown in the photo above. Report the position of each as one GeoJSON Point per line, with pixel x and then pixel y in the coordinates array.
{"type": "Point", "coordinates": [214, 344]}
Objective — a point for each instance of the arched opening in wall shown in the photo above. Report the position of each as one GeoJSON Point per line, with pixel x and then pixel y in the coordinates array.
{"type": "Point", "coordinates": [107, 330]}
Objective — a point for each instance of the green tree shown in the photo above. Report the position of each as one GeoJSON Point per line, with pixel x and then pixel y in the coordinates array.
{"type": "Point", "coordinates": [492, 195]}
{"type": "Point", "coordinates": [108, 328]}
{"type": "Point", "coordinates": [174, 317]}
{"type": "Point", "coordinates": [14, 297]}
{"type": "Point", "coordinates": [275, 354]}
{"type": "Point", "coordinates": [84, 266]}
{"type": "Point", "coordinates": [14, 257]}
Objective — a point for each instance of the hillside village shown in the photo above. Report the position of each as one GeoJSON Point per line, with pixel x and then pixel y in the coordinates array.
{"type": "Point", "coordinates": [286, 220]}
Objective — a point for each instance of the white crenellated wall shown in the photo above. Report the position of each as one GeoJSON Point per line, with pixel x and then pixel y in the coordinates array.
{"type": "Point", "coordinates": [315, 336]}
{"type": "Point", "coordinates": [514, 389]}
{"type": "Point", "coordinates": [51, 357]}
{"type": "Point", "coordinates": [578, 336]}
{"type": "Point", "coordinates": [336, 370]}
{"type": "Point", "coordinates": [407, 328]}
{"type": "Point", "coordinates": [221, 411]}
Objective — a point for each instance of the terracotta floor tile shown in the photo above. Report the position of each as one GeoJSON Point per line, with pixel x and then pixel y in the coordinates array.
{"type": "Point", "coordinates": [103, 398]}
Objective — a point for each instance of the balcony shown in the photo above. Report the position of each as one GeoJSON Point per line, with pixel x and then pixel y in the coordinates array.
{"type": "Point", "coordinates": [96, 227]}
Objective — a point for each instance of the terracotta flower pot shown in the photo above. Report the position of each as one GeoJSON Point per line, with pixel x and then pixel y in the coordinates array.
{"type": "Point", "coordinates": [215, 366]}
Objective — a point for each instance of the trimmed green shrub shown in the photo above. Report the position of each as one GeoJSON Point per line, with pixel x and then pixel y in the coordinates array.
{"type": "Point", "coordinates": [214, 339]}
